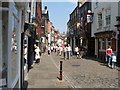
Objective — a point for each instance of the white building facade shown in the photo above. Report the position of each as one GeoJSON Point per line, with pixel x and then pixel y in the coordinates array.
{"type": "Point", "coordinates": [103, 29]}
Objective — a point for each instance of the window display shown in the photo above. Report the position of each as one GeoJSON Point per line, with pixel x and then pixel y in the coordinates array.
{"type": "Point", "coordinates": [14, 45]}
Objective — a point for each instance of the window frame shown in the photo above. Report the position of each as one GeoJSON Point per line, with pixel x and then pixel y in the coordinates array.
{"type": "Point", "coordinates": [103, 42]}
{"type": "Point", "coordinates": [107, 17]}
{"type": "Point", "coordinates": [99, 20]}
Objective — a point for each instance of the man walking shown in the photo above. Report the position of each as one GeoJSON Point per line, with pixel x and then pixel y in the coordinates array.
{"type": "Point", "coordinates": [65, 52]}
{"type": "Point", "coordinates": [68, 51]}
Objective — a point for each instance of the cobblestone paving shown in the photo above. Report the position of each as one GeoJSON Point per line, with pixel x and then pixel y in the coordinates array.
{"type": "Point", "coordinates": [87, 73]}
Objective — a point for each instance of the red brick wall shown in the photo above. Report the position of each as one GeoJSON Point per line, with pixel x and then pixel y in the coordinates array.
{"type": "Point", "coordinates": [49, 28]}
{"type": "Point", "coordinates": [38, 18]}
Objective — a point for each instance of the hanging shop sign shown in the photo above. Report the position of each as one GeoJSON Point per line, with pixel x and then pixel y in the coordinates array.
{"type": "Point", "coordinates": [89, 18]}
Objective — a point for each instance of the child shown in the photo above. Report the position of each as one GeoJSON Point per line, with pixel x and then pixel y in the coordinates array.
{"type": "Point", "coordinates": [113, 60]}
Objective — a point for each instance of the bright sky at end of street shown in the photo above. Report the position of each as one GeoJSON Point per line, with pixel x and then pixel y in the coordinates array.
{"type": "Point", "coordinates": [59, 13]}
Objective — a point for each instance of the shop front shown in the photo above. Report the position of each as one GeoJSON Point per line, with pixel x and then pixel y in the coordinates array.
{"type": "Point", "coordinates": [102, 41]}
{"type": "Point", "coordinates": [11, 44]}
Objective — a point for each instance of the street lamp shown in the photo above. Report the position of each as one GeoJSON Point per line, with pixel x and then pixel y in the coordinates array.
{"type": "Point", "coordinates": [118, 52]}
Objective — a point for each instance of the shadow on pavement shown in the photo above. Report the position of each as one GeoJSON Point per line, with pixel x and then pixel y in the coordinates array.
{"type": "Point", "coordinates": [61, 58]}
{"type": "Point", "coordinates": [102, 63]}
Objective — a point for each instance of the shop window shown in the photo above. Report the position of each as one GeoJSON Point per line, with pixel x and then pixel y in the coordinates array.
{"type": "Point", "coordinates": [103, 44]}
{"type": "Point", "coordinates": [5, 4]}
{"type": "Point", "coordinates": [96, 4]}
{"type": "Point", "coordinates": [4, 28]}
{"type": "Point", "coordinates": [107, 16]}
{"type": "Point", "coordinates": [109, 41]}
{"type": "Point", "coordinates": [15, 23]}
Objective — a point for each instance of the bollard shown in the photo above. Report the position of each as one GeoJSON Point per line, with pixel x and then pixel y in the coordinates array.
{"type": "Point", "coordinates": [60, 70]}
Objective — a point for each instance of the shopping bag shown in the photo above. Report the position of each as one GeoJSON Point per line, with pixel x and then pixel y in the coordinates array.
{"type": "Point", "coordinates": [71, 54]}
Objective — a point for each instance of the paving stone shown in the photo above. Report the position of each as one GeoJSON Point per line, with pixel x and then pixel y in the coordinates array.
{"type": "Point", "coordinates": [45, 75]}
{"type": "Point", "coordinates": [90, 73]}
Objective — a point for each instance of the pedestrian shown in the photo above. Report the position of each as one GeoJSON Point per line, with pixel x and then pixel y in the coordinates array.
{"type": "Point", "coordinates": [49, 50]}
{"type": "Point", "coordinates": [52, 48]}
{"type": "Point", "coordinates": [113, 60]}
{"type": "Point", "coordinates": [44, 49]}
{"type": "Point", "coordinates": [37, 54]}
{"type": "Point", "coordinates": [108, 55]}
{"type": "Point", "coordinates": [77, 52]}
{"type": "Point", "coordinates": [55, 48]}
{"type": "Point", "coordinates": [58, 50]}
{"type": "Point", "coordinates": [65, 52]}
{"type": "Point", "coordinates": [68, 51]}
{"type": "Point", "coordinates": [25, 54]}
{"type": "Point", "coordinates": [80, 52]}
{"type": "Point", "coordinates": [61, 49]}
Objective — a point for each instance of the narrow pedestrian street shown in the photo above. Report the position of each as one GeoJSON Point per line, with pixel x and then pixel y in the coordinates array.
{"type": "Point", "coordinates": [59, 44]}
{"type": "Point", "coordinates": [77, 73]}
{"type": "Point", "coordinates": [45, 75]}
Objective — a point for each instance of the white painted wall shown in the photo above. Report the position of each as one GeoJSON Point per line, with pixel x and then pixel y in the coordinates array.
{"type": "Point", "coordinates": [49, 38]}
{"type": "Point", "coordinates": [101, 8]}
{"type": "Point", "coordinates": [33, 9]}
{"type": "Point", "coordinates": [0, 40]}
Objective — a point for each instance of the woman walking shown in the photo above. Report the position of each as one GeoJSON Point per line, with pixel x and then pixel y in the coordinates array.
{"type": "Point", "coordinates": [108, 54]}
{"type": "Point", "coordinates": [65, 52]}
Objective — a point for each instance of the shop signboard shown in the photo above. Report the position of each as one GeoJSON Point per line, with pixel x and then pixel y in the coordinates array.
{"type": "Point", "coordinates": [89, 18]}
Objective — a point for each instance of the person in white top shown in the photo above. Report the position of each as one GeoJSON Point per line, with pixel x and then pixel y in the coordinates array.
{"type": "Point", "coordinates": [52, 48]}
{"type": "Point", "coordinates": [37, 55]}
{"type": "Point", "coordinates": [77, 51]}
{"type": "Point", "coordinates": [68, 51]}
{"type": "Point", "coordinates": [49, 50]}
{"type": "Point", "coordinates": [65, 52]}
{"type": "Point", "coordinates": [61, 49]}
